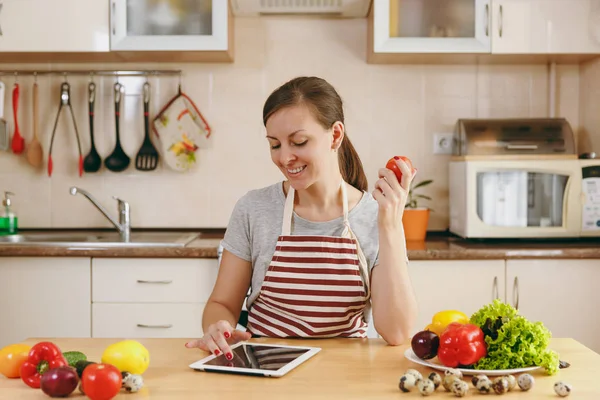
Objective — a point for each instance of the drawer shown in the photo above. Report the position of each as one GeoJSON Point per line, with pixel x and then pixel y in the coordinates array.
{"type": "Point", "coordinates": [147, 320]}
{"type": "Point", "coordinates": [152, 280]}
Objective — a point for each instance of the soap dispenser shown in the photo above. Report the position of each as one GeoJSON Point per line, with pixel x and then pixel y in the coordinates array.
{"type": "Point", "coordinates": [8, 219]}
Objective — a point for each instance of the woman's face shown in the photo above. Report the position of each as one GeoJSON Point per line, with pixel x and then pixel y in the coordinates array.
{"type": "Point", "coordinates": [300, 147]}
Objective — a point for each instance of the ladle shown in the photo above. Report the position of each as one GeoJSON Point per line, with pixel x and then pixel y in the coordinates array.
{"type": "Point", "coordinates": [92, 162]}
{"type": "Point", "coordinates": [118, 161]}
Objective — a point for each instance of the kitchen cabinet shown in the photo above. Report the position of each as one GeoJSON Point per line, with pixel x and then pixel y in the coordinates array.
{"type": "Point", "coordinates": [464, 285]}
{"type": "Point", "coordinates": [560, 293]}
{"type": "Point", "coordinates": [44, 297]}
{"type": "Point", "coordinates": [54, 26]}
{"type": "Point", "coordinates": [545, 27]}
{"type": "Point", "coordinates": [147, 25]}
{"type": "Point", "coordinates": [150, 297]}
{"type": "Point", "coordinates": [483, 27]}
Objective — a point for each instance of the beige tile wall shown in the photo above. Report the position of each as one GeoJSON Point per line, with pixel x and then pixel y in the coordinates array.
{"type": "Point", "coordinates": [390, 109]}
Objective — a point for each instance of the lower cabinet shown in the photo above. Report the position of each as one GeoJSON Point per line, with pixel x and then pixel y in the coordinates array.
{"type": "Point", "coordinates": [44, 297]}
{"type": "Point", "coordinates": [150, 297]}
{"type": "Point", "coordinates": [560, 293]}
{"type": "Point", "coordinates": [464, 285]}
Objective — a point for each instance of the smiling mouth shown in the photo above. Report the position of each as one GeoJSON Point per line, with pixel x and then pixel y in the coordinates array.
{"type": "Point", "coordinates": [296, 171]}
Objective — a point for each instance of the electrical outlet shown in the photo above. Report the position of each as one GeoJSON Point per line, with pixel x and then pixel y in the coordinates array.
{"type": "Point", "coordinates": [442, 143]}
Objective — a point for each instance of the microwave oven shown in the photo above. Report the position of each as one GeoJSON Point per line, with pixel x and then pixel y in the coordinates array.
{"type": "Point", "coordinates": [521, 178]}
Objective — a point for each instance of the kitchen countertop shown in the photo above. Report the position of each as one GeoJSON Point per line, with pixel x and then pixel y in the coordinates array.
{"type": "Point", "coordinates": [343, 369]}
{"type": "Point", "coordinates": [437, 246]}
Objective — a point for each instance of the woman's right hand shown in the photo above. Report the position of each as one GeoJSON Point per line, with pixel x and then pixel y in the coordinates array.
{"type": "Point", "coordinates": [218, 338]}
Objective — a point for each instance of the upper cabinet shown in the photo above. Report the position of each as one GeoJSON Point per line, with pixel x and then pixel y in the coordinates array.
{"type": "Point", "coordinates": [154, 25]}
{"type": "Point", "coordinates": [480, 27]}
{"type": "Point", "coordinates": [545, 27]}
{"type": "Point", "coordinates": [431, 26]}
{"type": "Point", "coordinates": [116, 30]}
{"type": "Point", "coordinates": [54, 26]}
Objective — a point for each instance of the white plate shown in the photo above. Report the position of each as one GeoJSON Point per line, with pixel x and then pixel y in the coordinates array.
{"type": "Point", "coordinates": [435, 364]}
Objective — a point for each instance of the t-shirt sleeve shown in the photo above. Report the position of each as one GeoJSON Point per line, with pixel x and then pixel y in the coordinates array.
{"type": "Point", "coordinates": [237, 238]}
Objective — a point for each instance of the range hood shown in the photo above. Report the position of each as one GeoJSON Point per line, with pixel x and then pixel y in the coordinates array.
{"type": "Point", "coordinates": [332, 8]}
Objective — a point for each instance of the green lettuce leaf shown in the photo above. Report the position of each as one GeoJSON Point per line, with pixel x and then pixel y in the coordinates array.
{"type": "Point", "coordinates": [512, 340]}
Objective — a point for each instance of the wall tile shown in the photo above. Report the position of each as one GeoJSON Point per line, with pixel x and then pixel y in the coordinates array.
{"type": "Point", "coordinates": [389, 110]}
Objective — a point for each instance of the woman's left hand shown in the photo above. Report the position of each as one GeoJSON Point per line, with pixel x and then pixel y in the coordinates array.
{"type": "Point", "coordinates": [391, 195]}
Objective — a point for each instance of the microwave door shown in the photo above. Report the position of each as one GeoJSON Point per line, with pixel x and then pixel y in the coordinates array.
{"type": "Point", "coordinates": [487, 186]}
{"type": "Point", "coordinates": [512, 202]}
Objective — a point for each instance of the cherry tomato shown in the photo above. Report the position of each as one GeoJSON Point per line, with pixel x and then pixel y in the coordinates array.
{"type": "Point", "coordinates": [11, 359]}
{"type": "Point", "coordinates": [101, 381]}
{"type": "Point", "coordinates": [391, 164]}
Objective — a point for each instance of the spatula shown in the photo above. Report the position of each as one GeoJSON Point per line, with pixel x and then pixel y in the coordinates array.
{"type": "Point", "coordinates": [147, 156]}
{"type": "Point", "coordinates": [4, 137]}
{"type": "Point", "coordinates": [34, 151]}
{"type": "Point", "coordinates": [18, 143]}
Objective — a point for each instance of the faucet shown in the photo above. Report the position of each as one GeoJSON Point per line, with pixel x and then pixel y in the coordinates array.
{"type": "Point", "coordinates": [124, 224]}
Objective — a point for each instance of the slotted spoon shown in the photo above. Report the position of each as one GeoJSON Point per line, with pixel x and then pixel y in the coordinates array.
{"type": "Point", "coordinates": [147, 156]}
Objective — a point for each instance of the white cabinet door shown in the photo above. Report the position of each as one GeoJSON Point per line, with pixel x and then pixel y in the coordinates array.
{"type": "Point", "coordinates": [464, 285]}
{"type": "Point", "coordinates": [545, 26]}
{"type": "Point", "coordinates": [44, 297]}
{"type": "Point", "coordinates": [563, 294]}
{"type": "Point", "coordinates": [145, 25]}
{"type": "Point", "coordinates": [431, 26]}
{"type": "Point", "coordinates": [54, 26]}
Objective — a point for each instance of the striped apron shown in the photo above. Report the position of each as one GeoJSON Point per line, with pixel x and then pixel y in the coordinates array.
{"type": "Point", "coordinates": [315, 286]}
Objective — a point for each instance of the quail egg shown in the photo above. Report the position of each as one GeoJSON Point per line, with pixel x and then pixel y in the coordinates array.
{"type": "Point", "coordinates": [425, 386]}
{"type": "Point", "coordinates": [460, 388]}
{"type": "Point", "coordinates": [525, 381]}
{"type": "Point", "coordinates": [484, 385]}
{"type": "Point", "coordinates": [562, 389]}
{"type": "Point", "coordinates": [448, 381]}
{"type": "Point", "coordinates": [407, 382]}
{"type": "Point", "coordinates": [436, 379]}
{"type": "Point", "coordinates": [500, 385]}
{"type": "Point", "coordinates": [453, 371]}
{"type": "Point", "coordinates": [414, 373]}
{"type": "Point", "coordinates": [476, 378]}
{"type": "Point", "coordinates": [512, 382]}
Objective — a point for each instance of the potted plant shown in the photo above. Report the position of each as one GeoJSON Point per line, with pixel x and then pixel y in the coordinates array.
{"type": "Point", "coordinates": [416, 218]}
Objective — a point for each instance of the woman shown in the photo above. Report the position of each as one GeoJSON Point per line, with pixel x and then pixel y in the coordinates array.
{"type": "Point", "coordinates": [317, 250]}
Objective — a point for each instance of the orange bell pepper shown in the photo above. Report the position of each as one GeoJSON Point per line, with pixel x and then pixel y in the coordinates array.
{"type": "Point", "coordinates": [11, 359]}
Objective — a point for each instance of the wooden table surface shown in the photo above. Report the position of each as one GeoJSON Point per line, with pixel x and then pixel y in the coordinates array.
{"type": "Point", "coordinates": [343, 369]}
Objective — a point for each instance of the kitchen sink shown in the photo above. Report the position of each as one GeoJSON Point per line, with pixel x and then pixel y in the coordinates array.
{"type": "Point", "coordinates": [99, 239]}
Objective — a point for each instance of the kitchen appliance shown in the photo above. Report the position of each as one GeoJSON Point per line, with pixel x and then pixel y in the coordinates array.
{"type": "Point", "coordinates": [521, 178]}
{"type": "Point", "coordinates": [339, 8]}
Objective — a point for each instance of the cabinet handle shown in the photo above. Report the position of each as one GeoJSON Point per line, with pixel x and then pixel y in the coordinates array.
{"type": "Point", "coordinates": [1, 25]}
{"type": "Point", "coordinates": [487, 20]}
{"type": "Point", "coordinates": [500, 21]}
{"type": "Point", "coordinates": [155, 326]}
{"type": "Point", "coordinates": [112, 18]}
{"type": "Point", "coordinates": [159, 282]}
{"type": "Point", "coordinates": [495, 288]}
{"type": "Point", "coordinates": [516, 293]}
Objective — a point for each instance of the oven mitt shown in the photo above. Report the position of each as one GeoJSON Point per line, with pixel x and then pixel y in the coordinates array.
{"type": "Point", "coordinates": [181, 130]}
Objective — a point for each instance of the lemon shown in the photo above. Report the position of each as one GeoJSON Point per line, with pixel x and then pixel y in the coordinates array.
{"type": "Point", "coordinates": [128, 356]}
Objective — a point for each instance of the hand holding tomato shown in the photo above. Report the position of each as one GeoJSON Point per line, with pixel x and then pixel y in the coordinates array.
{"type": "Point", "coordinates": [101, 381]}
{"type": "Point", "coordinates": [391, 191]}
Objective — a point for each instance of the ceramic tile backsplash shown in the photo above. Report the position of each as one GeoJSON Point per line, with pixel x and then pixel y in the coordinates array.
{"type": "Point", "coordinates": [390, 109]}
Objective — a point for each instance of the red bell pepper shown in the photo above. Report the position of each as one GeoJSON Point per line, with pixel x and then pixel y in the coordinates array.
{"type": "Point", "coordinates": [42, 357]}
{"type": "Point", "coordinates": [461, 345]}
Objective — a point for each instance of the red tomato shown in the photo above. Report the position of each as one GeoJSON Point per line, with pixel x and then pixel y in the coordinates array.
{"type": "Point", "coordinates": [101, 381]}
{"type": "Point", "coordinates": [391, 164]}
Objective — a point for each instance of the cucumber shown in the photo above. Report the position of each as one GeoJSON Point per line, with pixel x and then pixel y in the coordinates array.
{"type": "Point", "coordinates": [81, 365]}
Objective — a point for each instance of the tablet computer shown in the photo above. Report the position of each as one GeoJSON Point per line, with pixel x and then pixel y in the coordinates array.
{"type": "Point", "coordinates": [260, 359]}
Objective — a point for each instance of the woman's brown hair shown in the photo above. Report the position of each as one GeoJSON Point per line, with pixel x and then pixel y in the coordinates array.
{"type": "Point", "coordinates": [326, 106]}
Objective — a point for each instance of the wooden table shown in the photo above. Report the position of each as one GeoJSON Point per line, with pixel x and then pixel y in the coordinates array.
{"type": "Point", "coordinates": [344, 369]}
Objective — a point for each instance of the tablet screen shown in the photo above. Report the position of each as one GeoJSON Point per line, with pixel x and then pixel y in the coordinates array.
{"type": "Point", "coordinates": [253, 356]}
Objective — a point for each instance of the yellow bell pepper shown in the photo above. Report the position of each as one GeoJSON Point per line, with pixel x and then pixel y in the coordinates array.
{"type": "Point", "coordinates": [442, 319]}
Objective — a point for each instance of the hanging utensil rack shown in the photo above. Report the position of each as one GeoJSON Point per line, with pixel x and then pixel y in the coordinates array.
{"type": "Point", "coordinates": [102, 72]}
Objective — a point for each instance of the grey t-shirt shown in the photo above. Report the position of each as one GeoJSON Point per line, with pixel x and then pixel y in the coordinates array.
{"type": "Point", "coordinates": [255, 225]}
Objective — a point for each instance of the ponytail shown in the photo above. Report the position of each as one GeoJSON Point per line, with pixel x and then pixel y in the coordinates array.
{"type": "Point", "coordinates": [351, 167]}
